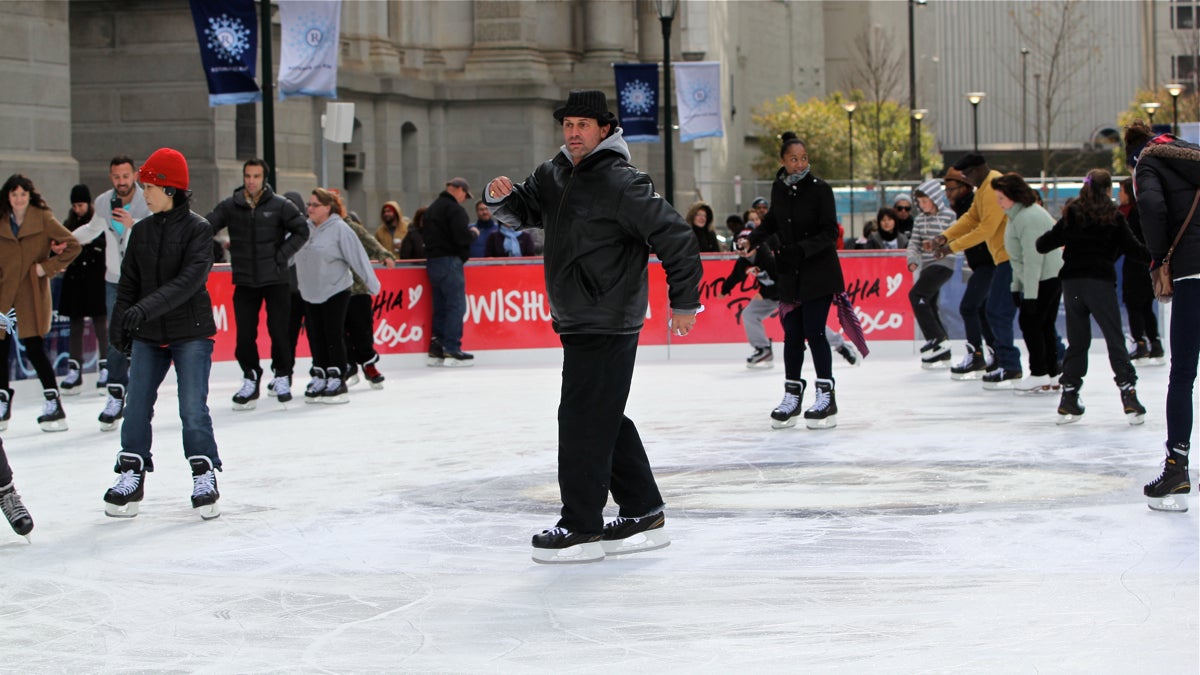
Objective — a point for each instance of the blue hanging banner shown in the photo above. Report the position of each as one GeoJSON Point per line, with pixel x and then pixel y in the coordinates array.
{"type": "Point", "coordinates": [228, 34]}
{"type": "Point", "coordinates": [637, 101]}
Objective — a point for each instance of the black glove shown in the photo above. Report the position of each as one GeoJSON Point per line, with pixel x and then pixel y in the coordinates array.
{"type": "Point", "coordinates": [132, 318]}
{"type": "Point", "coordinates": [1016, 296]}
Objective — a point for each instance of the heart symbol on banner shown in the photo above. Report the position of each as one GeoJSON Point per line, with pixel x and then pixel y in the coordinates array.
{"type": "Point", "coordinates": [893, 283]}
{"type": "Point", "coordinates": [414, 296]}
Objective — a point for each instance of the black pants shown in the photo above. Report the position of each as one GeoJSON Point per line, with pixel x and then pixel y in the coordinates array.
{"type": "Point", "coordinates": [326, 324]}
{"type": "Point", "coordinates": [35, 349]}
{"type": "Point", "coordinates": [973, 307]}
{"type": "Point", "coordinates": [100, 325]}
{"type": "Point", "coordinates": [1037, 326]}
{"type": "Point", "coordinates": [1143, 323]}
{"type": "Point", "coordinates": [360, 329]}
{"type": "Point", "coordinates": [5, 469]}
{"type": "Point", "coordinates": [806, 323]}
{"type": "Point", "coordinates": [295, 318]}
{"type": "Point", "coordinates": [924, 300]}
{"type": "Point", "coordinates": [1088, 299]}
{"type": "Point", "coordinates": [247, 303]}
{"type": "Point", "coordinates": [599, 449]}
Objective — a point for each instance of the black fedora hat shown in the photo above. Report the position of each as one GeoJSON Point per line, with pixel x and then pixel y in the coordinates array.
{"type": "Point", "coordinates": [587, 103]}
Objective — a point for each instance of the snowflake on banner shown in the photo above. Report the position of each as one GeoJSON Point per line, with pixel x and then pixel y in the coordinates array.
{"type": "Point", "coordinates": [700, 96]}
{"type": "Point", "coordinates": [637, 97]}
{"type": "Point", "coordinates": [227, 38]}
{"type": "Point", "coordinates": [308, 33]}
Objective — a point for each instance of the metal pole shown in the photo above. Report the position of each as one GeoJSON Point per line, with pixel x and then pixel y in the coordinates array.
{"type": "Point", "coordinates": [268, 89]}
{"type": "Point", "coordinates": [668, 161]}
{"type": "Point", "coordinates": [914, 156]}
{"type": "Point", "coordinates": [850, 120]}
{"type": "Point", "coordinates": [1175, 113]}
{"type": "Point", "coordinates": [975, 123]}
{"type": "Point", "coordinates": [1024, 97]}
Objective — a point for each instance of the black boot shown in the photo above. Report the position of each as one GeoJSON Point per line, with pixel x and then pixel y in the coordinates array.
{"type": "Point", "coordinates": [784, 415]}
{"type": "Point", "coordinates": [823, 413]}
{"type": "Point", "coordinates": [1168, 491]}
{"type": "Point", "coordinates": [53, 417]}
{"type": "Point", "coordinates": [1135, 412]}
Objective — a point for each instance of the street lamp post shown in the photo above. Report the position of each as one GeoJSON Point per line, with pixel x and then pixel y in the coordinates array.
{"type": "Point", "coordinates": [1174, 89]}
{"type": "Point", "coordinates": [975, 97]}
{"type": "Point", "coordinates": [914, 154]}
{"type": "Point", "coordinates": [1150, 107]}
{"type": "Point", "coordinates": [1024, 97]}
{"type": "Point", "coordinates": [918, 115]}
{"type": "Point", "coordinates": [850, 107]}
{"type": "Point", "coordinates": [666, 14]}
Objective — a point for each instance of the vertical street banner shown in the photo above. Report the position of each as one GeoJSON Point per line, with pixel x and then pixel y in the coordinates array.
{"type": "Point", "coordinates": [228, 34]}
{"type": "Point", "coordinates": [698, 98]}
{"type": "Point", "coordinates": [637, 101]}
{"type": "Point", "coordinates": [308, 53]}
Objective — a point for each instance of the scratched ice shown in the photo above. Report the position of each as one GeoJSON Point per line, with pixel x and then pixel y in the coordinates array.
{"type": "Point", "coordinates": [938, 529]}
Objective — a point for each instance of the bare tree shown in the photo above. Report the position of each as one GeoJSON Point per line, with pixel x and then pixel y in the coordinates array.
{"type": "Point", "coordinates": [877, 72]}
{"type": "Point", "coordinates": [1057, 35]}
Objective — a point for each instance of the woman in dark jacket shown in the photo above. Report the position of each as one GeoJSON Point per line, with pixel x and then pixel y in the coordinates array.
{"type": "Point", "coordinates": [413, 246]}
{"type": "Point", "coordinates": [1136, 289]}
{"type": "Point", "coordinates": [82, 295]}
{"type": "Point", "coordinates": [804, 220]}
{"type": "Point", "coordinates": [700, 217]}
{"type": "Point", "coordinates": [163, 317]}
{"type": "Point", "coordinates": [1093, 234]}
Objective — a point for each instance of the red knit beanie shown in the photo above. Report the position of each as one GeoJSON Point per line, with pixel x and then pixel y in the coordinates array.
{"type": "Point", "coordinates": [165, 168]}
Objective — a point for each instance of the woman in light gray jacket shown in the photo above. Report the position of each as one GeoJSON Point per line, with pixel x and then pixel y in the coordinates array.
{"type": "Point", "coordinates": [323, 273]}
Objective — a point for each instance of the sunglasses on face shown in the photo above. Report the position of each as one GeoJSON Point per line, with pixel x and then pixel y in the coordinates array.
{"type": "Point", "coordinates": [904, 208]}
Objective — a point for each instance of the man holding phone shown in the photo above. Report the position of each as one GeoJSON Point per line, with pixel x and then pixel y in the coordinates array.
{"type": "Point", "coordinates": [116, 212]}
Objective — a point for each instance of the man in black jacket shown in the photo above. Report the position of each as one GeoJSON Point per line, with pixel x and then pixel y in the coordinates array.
{"type": "Point", "coordinates": [163, 317]}
{"type": "Point", "coordinates": [602, 219]}
{"type": "Point", "coordinates": [448, 240]}
{"type": "Point", "coordinates": [265, 231]}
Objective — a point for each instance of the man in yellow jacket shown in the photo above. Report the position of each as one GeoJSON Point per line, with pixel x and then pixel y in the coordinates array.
{"type": "Point", "coordinates": [985, 222]}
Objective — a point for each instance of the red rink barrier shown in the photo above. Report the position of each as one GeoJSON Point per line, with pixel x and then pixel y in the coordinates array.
{"type": "Point", "coordinates": [507, 306]}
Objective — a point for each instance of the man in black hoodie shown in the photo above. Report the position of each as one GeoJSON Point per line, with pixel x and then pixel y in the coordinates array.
{"type": "Point", "coordinates": [265, 231]}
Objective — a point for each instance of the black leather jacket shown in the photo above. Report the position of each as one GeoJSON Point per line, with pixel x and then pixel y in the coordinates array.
{"type": "Point", "coordinates": [164, 272]}
{"type": "Point", "coordinates": [602, 219]}
{"type": "Point", "coordinates": [261, 239]}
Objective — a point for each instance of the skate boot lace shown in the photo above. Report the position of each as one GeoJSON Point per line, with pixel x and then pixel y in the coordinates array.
{"type": "Point", "coordinates": [247, 389]}
{"type": "Point", "coordinates": [333, 384]}
{"type": "Point", "coordinates": [967, 360]}
{"type": "Point", "coordinates": [114, 406]}
{"type": "Point", "coordinates": [317, 385]}
{"type": "Point", "coordinates": [3, 407]}
{"type": "Point", "coordinates": [127, 483]}
{"type": "Point", "coordinates": [281, 386]}
{"type": "Point", "coordinates": [50, 407]}
{"type": "Point", "coordinates": [822, 401]}
{"type": "Point", "coordinates": [789, 403]}
{"type": "Point", "coordinates": [204, 484]}
{"type": "Point", "coordinates": [10, 503]}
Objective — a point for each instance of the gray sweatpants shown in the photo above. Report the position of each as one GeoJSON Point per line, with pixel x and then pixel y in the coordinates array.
{"type": "Point", "coordinates": [753, 316]}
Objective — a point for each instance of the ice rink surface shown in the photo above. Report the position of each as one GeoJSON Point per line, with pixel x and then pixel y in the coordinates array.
{"type": "Point", "coordinates": [938, 529]}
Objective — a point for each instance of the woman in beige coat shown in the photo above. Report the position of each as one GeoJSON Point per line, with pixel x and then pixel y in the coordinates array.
{"type": "Point", "coordinates": [33, 248]}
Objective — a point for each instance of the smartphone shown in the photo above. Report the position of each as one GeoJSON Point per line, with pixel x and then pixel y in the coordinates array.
{"type": "Point", "coordinates": [115, 203]}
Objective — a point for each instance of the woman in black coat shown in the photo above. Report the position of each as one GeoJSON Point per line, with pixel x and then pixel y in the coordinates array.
{"type": "Point", "coordinates": [82, 296]}
{"type": "Point", "coordinates": [1136, 289]}
{"type": "Point", "coordinates": [804, 221]}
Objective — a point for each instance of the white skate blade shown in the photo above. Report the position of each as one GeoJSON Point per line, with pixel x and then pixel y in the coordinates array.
{"type": "Point", "coordinates": [56, 425]}
{"type": "Point", "coordinates": [1135, 419]}
{"type": "Point", "coordinates": [1067, 419]}
{"type": "Point", "coordinates": [74, 391]}
{"type": "Point", "coordinates": [208, 512]}
{"type": "Point", "coordinates": [101, 391]}
{"type": "Point", "coordinates": [1157, 361]}
{"type": "Point", "coordinates": [1037, 391]}
{"type": "Point", "coordinates": [579, 553]}
{"type": "Point", "coordinates": [248, 405]}
{"type": "Point", "coordinates": [1002, 385]}
{"type": "Point", "coordinates": [973, 375]}
{"type": "Point", "coordinates": [4, 425]}
{"type": "Point", "coordinates": [433, 362]}
{"type": "Point", "coordinates": [783, 424]}
{"type": "Point", "coordinates": [334, 400]}
{"type": "Point", "coordinates": [458, 363]}
{"type": "Point", "coordinates": [650, 540]}
{"type": "Point", "coordinates": [108, 426]}
{"type": "Point", "coordinates": [351, 381]}
{"type": "Point", "coordinates": [761, 365]}
{"type": "Point", "coordinates": [940, 364]}
{"type": "Point", "coordinates": [827, 423]}
{"type": "Point", "coordinates": [1174, 503]}
{"type": "Point", "coordinates": [127, 511]}
{"type": "Point", "coordinates": [377, 385]}
{"type": "Point", "coordinates": [312, 399]}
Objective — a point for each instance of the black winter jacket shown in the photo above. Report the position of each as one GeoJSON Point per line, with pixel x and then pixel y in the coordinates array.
{"type": "Point", "coordinates": [765, 284]}
{"type": "Point", "coordinates": [447, 229]}
{"type": "Point", "coordinates": [164, 272]}
{"type": "Point", "coordinates": [261, 240]}
{"type": "Point", "coordinates": [804, 218]}
{"type": "Point", "coordinates": [1090, 249]}
{"type": "Point", "coordinates": [1166, 178]}
{"type": "Point", "coordinates": [602, 220]}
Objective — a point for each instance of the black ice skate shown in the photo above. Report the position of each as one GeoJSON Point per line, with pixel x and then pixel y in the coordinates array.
{"type": "Point", "coordinates": [935, 355]}
{"type": "Point", "coordinates": [204, 487]}
{"type": "Point", "coordinates": [458, 359]}
{"type": "Point", "coordinates": [312, 393]}
{"type": "Point", "coordinates": [102, 377]}
{"type": "Point", "coordinates": [1169, 491]}
{"type": "Point", "coordinates": [1135, 412]}
{"type": "Point", "coordinates": [15, 511]}
{"type": "Point", "coordinates": [72, 384]}
{"type": "Point", "coordinates": [123, 498]}
{"type": "Point", "coordinates": [5, 407]}
{"type": "Point", "coordinates": [53, 417]}
{"type": "Point", "coordinates": [558, 545]}
{"type": "Point", "coordinates": [114, 409]}
{"type": "Point", "coordinates": [634, 535]}
{"type": "Point", "coordinates": [850, 353]}
{"type": "Point", "coordinates": [246, 398]}
{"type": "Point", "coordinates": [763, 357]}
{"type": "Point", "coordinates": [436, 355]}
{"type": "Point", "coordinates": [351, 377]}
{"type": "Point", "coordinates": [1156, 357]}
{"type": "Point", "coordinates": [335, 387]}
{"type": "Point", "coordinates": [972, 366]}
{"type": "Point", "coordinates": [1070, 406]}
{"type": "Point", "coordinates": [281, 388]}
{"type": "Point", "coordinates": [370, 370]}
{"type": "Point", "coordinates": [823, 413]}
{"type": "Point", "coordinates": [1001, 379]}
{"type": "Point", "coordinates": [784, 415]}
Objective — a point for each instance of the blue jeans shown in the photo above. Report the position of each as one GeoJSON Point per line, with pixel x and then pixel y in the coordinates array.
{"type": "Point", "coordinates": [973, 307]}
{"type": "Point", "coordinates": [1000, 314]}
{"type": "Point", "coordinates": [1185, 352]}
{"type": "Point", "coordinates": [118, 365]}
{"type": "Point", "coordinates": [148, 368]}
{"type": "Point", "coordinates": [449, 287]}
